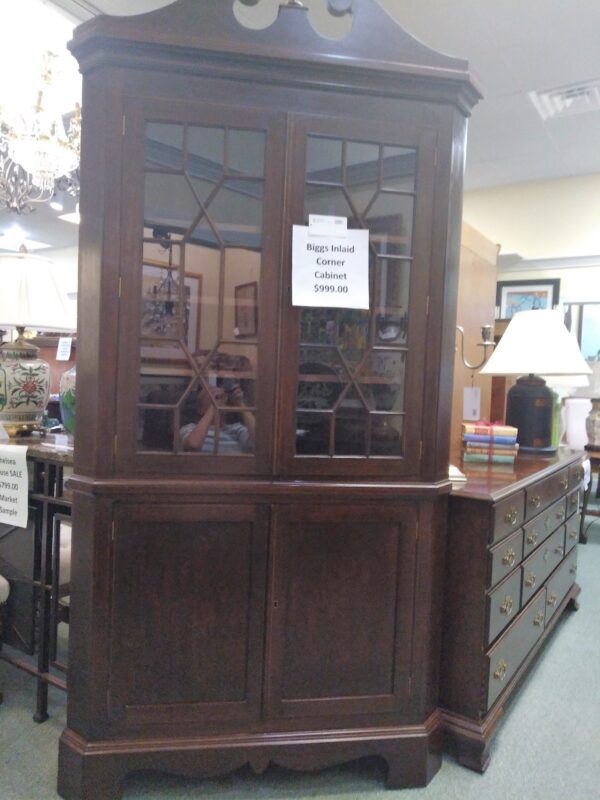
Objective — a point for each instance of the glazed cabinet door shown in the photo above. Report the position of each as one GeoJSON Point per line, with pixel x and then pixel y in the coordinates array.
{"type": "Point", "coordinates": [201, 190]}
{"type": "Point", "coordinates": [187, 616]}
{"type": "Point", "coordinates": [340, 610]}
{"type": "Point", "coordinates": [355, 400]}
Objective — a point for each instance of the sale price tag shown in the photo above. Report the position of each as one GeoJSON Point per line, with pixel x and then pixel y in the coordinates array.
{"type": "Point", "coordinates": [330, 271]}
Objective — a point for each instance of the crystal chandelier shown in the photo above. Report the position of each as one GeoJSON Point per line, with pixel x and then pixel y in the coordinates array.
{"type": "Point", "coordinates": [36, 151]}
{"type": "Point", "coordinates": [161, 307]}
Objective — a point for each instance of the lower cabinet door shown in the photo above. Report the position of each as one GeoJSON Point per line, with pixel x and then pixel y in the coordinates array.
{"type": "Point", "coordinates": [341, 610]}
{"type": "Point", "coordinates": [187, 624]}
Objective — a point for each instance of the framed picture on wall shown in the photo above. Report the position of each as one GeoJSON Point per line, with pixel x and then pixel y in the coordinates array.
{"type": "Point", "coordinates": [246, 309]}
{"type": "Point", "coordinates": [514, 296]}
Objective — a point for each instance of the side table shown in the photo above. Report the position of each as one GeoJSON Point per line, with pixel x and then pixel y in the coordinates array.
{"type": "Point", "coordinates": [594, 457]}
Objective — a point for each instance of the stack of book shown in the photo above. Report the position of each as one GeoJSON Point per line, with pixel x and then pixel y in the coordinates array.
{"type": "Point", "coordinates": [489, 443]}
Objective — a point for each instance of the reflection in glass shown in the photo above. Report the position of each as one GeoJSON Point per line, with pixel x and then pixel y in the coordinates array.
{"type": "Point", "coordinates": [399, 168]}
{"type": "Point", "coordinates": [324, 160]}
{"type": "Point", "coordinates": [246, 152]}
{"type": "Point", "coordinates": [164, 146]}
{"type": "Point", "coordinates": [200, 290]}
{"type": "Point", "coordinates": [352, 363]}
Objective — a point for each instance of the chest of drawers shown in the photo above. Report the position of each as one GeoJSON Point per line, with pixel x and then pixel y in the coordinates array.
{"type": "Point", "coordinates": [511, 569]}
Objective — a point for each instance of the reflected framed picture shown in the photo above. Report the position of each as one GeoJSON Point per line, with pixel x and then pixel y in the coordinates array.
{"type": "Point", "coordinates": [246, 310]}
{"type": "Point", "coordinates": [515, 296]}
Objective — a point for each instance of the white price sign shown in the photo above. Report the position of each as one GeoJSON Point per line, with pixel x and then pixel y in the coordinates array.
{"type": "Point", "coordinates": [329, 270]}
{"type": "Point", "coordinates": [14, 485]}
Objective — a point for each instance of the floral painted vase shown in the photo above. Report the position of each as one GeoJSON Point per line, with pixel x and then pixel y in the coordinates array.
{"type": "Point", "coordinates": [24, 387]}
{"type": "Point", "coordinates": [66, 396]}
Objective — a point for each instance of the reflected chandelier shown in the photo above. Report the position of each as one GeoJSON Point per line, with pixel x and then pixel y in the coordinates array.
{"type": "Point", "coordinates": [36, 152]}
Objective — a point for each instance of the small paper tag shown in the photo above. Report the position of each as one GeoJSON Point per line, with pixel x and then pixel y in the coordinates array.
{"type": "Point", "coordinates": [3, 434]}
{"type": "Point", "coordinates": [63, 351]}
{"type": "Point", "coordinates": [472, 403]}
{"type": "Point", "coordinates": [319, 225]}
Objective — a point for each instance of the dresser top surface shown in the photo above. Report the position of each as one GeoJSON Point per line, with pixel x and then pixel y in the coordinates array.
{"type": "Point", "coordinates": [494, 483]}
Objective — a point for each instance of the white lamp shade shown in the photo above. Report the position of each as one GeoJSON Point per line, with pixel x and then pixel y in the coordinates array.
{"type": "Point", "coordinates": [30, 295]}
{"type": "Point", "coordinates": [537, 342]}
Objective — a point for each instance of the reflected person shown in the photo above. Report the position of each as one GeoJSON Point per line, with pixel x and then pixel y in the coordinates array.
{"type": "Point", "coordinates": [234, 436]}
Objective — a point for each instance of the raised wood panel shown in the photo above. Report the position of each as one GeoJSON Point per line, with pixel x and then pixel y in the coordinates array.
{"type": "Point", "coordinates": [476, 302]}
{"type": "Point", "coordinates": [341, 609]}
{"type": "Point", "coordinates": [188, 600]}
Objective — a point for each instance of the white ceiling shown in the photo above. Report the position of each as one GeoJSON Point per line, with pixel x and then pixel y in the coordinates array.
{"type": "Point", "coordinates": [513, 47]}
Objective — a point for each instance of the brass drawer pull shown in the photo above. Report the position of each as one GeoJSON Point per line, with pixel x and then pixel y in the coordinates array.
{"type": "Point", "coordinates": [511, 516]}
{"type": "Point", "coordinates": [507, 606]}
{"type": "Point", "coordinates": [573, 569]}
{"type": "Point", "coordinates": [539, 619]}
{"type": "Point", "coordinates": [564, 482]}
{"type": "Point", "coordinates": [560, 513]}
{"type": "Point", "coordinates": [500, 671]}
{"type": "Point", "coordinates": [535, 501]}
{"type": "Point", "coordinates": [530, 580]}
{"type": "Point", "coordinates": [573, 534]}
{"type": "Point", "coordinates": [552, 599]}
{"type": "Point", "coordinates": [532, 538]}
{"type": "Point", "coordinates": [509, 558]}
{"type": "Point", "coordinates": [559, 550]}
{"type": "Point", "coordinates": [574, 500]}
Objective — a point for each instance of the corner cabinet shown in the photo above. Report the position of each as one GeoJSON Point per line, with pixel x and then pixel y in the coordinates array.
{"type": "Point", "coordinates": [260, 490]}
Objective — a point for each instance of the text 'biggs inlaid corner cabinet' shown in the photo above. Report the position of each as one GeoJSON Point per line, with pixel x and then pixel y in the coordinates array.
{"type": "Point", "coordinates": [260, 490]}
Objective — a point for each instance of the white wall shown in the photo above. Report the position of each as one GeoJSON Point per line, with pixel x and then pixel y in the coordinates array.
{"type": "Point", "coordinates": [540, 220]}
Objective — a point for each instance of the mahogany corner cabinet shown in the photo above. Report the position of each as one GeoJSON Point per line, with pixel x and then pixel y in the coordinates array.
{"type": "Point", "coordinates": [260, 488]}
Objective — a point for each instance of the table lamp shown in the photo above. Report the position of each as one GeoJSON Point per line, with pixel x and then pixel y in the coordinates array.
{"type": "Point", "coordinates": [535, 343]}
{"type": "Point", "coordinates": [29, 297]}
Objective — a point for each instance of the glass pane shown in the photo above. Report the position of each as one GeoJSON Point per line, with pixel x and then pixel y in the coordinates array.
{"type": "Point", "coordinates": [318, 325]}
{"type": "Point", "coordinates": [222, 422]}
{"type": "Point", "coordinates": [321, 380]}
{"type": "Point", "coordinates": [164, 146]}
{"type": "Point", "coordinates": [202, 276]}
{"type": "Point", "coordinates": [246, 152]}
{"type": "Point", "coordinates": [393, 285]}
{"type": "Point", "coordinates": [351, 426]}
{"type": "Point", "coordinates": [399, 168]}
{"type": "Point", "coordinates": [312, 433]}
{"type": "Point", "coordinates": [389, 220]}
{"type": "Point", "coordinates": [387, 431]}
{"type": "Point", "coordinates": [169, 202]}
{"type": "Point", "coordinates": [234, 215]}
{"type": "Point", "coordinates": [324, 160]}
{"type": "Point", "coordinates": [165, 309]}
{"type": "Point", "coordinates": [162, 395]}
{"type": "Point", "coordinates": [362, 173]}
{"type": "Point", "coordinates": [331, 202]}
{"type": "Point", "coordinates": [240, 307]}
{"type": "Point", "coordinates": [353, 334]}
{"type": "Point", "coordinates": [205, 152]}
{"type": "Point", "coordinates": [382, 379]}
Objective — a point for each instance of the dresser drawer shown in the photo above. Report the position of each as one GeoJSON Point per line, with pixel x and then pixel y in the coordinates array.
{"type": "Point", "coordinates": [575, 475]}
{"type": "Point", "coordinates": [541, 563]}
{"type": "Point", "coordinates": [503, 605]}
{"type": "Point", "coordinates": [505, 658]}
{"type": "Point", "coordinates": [540, 527]}
{"type": "Point", "coordinates": [572, 534]}
{"type": "Point", "coordinates": [559, 583]}
{"type": "Point", "coordinates": [505, 557]}
{"type": "Point", "coordinates": [541, 494]}
{"type": "Point", "coordinates": [573, 499]}
{"type": "Point", "coordinates": [508, 515]}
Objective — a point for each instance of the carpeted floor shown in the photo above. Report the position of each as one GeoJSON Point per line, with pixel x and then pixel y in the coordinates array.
{"type": "Point", "coordinates": [546, 748]}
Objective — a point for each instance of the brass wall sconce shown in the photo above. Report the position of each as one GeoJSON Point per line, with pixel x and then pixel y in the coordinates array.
{"type": "Point", "coordinates": [486, 342]}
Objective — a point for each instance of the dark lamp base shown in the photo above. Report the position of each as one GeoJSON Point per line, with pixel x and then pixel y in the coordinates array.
{"type": "Point", "coordinates": [530, 409]}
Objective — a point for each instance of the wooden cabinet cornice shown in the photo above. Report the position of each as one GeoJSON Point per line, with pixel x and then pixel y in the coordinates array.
{"type": "Point", "coordinates": [261, 489]}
